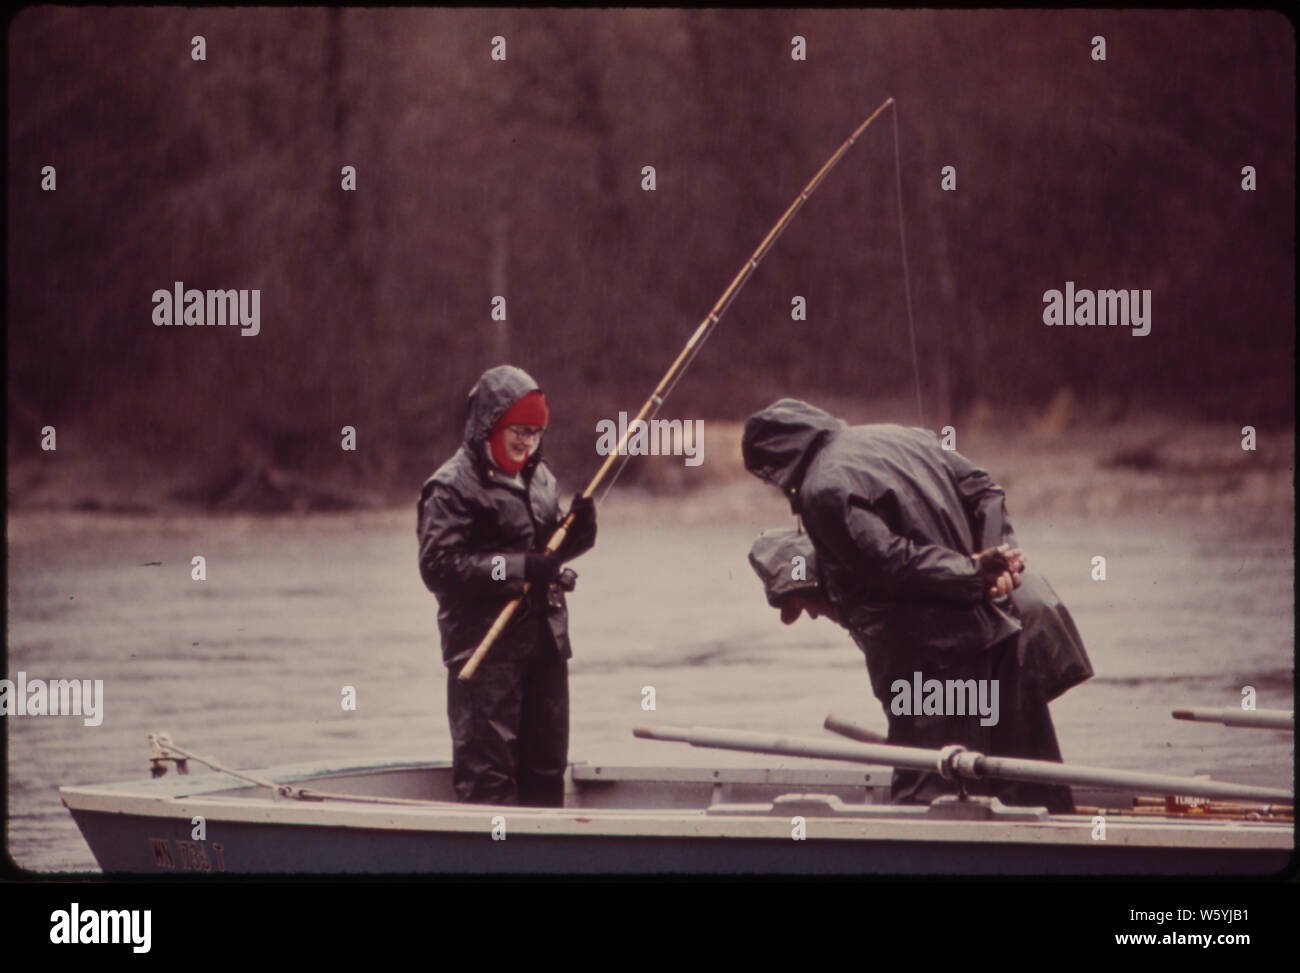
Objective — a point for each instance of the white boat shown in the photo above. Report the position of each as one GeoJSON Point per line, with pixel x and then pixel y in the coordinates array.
{"type": "Point", "coordinates": [397, 816]}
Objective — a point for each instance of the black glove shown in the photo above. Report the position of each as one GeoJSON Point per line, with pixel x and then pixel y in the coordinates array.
{"type": "Point", "coordinates": [541, 568]}
{"type": "Point", "coordinates": [581, 536]}
{"type": "Point", "coordinates": [568, 579]}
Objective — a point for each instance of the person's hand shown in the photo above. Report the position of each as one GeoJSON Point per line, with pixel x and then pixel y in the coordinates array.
{"type": "Point", "coordinates": [1015, 561]}
{"type": "Point", "coordinates": [999, 569]}
{"type": "Point", "coordinates": [1003, 586]}
{"type": "Point", "coordinates": [584, 515]}
{"type": "Point", "coordinates": [541, 568]}
{"type": "Point", "coordinates": [581, 535]}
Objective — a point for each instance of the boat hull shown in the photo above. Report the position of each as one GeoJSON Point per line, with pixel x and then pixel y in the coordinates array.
{"type": "Point", "coordinates": [125, 844]}
{"type": "Point", "coordinates": [627, 820]}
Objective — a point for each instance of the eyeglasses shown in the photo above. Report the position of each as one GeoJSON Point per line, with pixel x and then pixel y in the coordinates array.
{"type": "Point", "coordinates": [526, 432]}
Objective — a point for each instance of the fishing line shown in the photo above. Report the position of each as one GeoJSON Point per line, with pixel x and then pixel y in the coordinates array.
{"type": "Point", "coordinates": [907, 280]}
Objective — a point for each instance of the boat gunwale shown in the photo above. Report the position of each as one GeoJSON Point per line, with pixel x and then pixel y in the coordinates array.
{"type": "Point", "coordinates": [904, 825]}
{"type": "Point", "coordinates": [211, 781]}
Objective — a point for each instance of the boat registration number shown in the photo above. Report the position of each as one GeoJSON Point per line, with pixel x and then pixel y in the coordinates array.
{"type": "Point", "coordinates": [187, 856]}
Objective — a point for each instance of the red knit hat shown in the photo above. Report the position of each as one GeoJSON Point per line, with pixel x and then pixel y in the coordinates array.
{"type": "Point", "coordinates": [529, 410]}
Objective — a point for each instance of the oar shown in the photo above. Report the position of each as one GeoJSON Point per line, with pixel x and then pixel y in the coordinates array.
{"type": "Point", "coordinates": [854, 731]}
{"type": "Point", "coordinates": [1163, 805]}
{"type": "Point", "coordinates": [678, 367]}
{"type": "Point", "coordinates": [957, 761]}
{"type": "Point", "coordinates": [1262, 719]}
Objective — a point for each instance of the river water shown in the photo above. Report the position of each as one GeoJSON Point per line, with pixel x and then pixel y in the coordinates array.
{"type": "Point", "coordinates": [249, 666]}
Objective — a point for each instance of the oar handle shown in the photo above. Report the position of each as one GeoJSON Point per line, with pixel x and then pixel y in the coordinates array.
{"type": "Point", "coordinates": [854, 731]}
{"type": "Point", "coordinates": [1263, 719]}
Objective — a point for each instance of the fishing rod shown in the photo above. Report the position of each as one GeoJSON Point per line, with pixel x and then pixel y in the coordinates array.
{"type": "Point", "coordinates": [666, 384]}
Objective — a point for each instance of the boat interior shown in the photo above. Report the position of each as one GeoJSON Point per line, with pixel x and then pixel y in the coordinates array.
{"type": "Point", "coordinates": [814, 791]}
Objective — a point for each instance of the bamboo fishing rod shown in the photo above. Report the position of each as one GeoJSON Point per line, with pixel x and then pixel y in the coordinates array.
{"type": "Point", "coordinates": [679, 366]}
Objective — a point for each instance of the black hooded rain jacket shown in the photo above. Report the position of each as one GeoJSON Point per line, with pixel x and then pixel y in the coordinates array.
{"type": "Point", "coordinates": [895, 519]}
{"type": "Point", "coordinates": [470, 513]}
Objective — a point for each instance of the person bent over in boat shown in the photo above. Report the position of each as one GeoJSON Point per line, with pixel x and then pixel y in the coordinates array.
{"type": "Point", "coordinates": [485, 518]}
{"type": "Point", "coordinates": [909, 547]}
